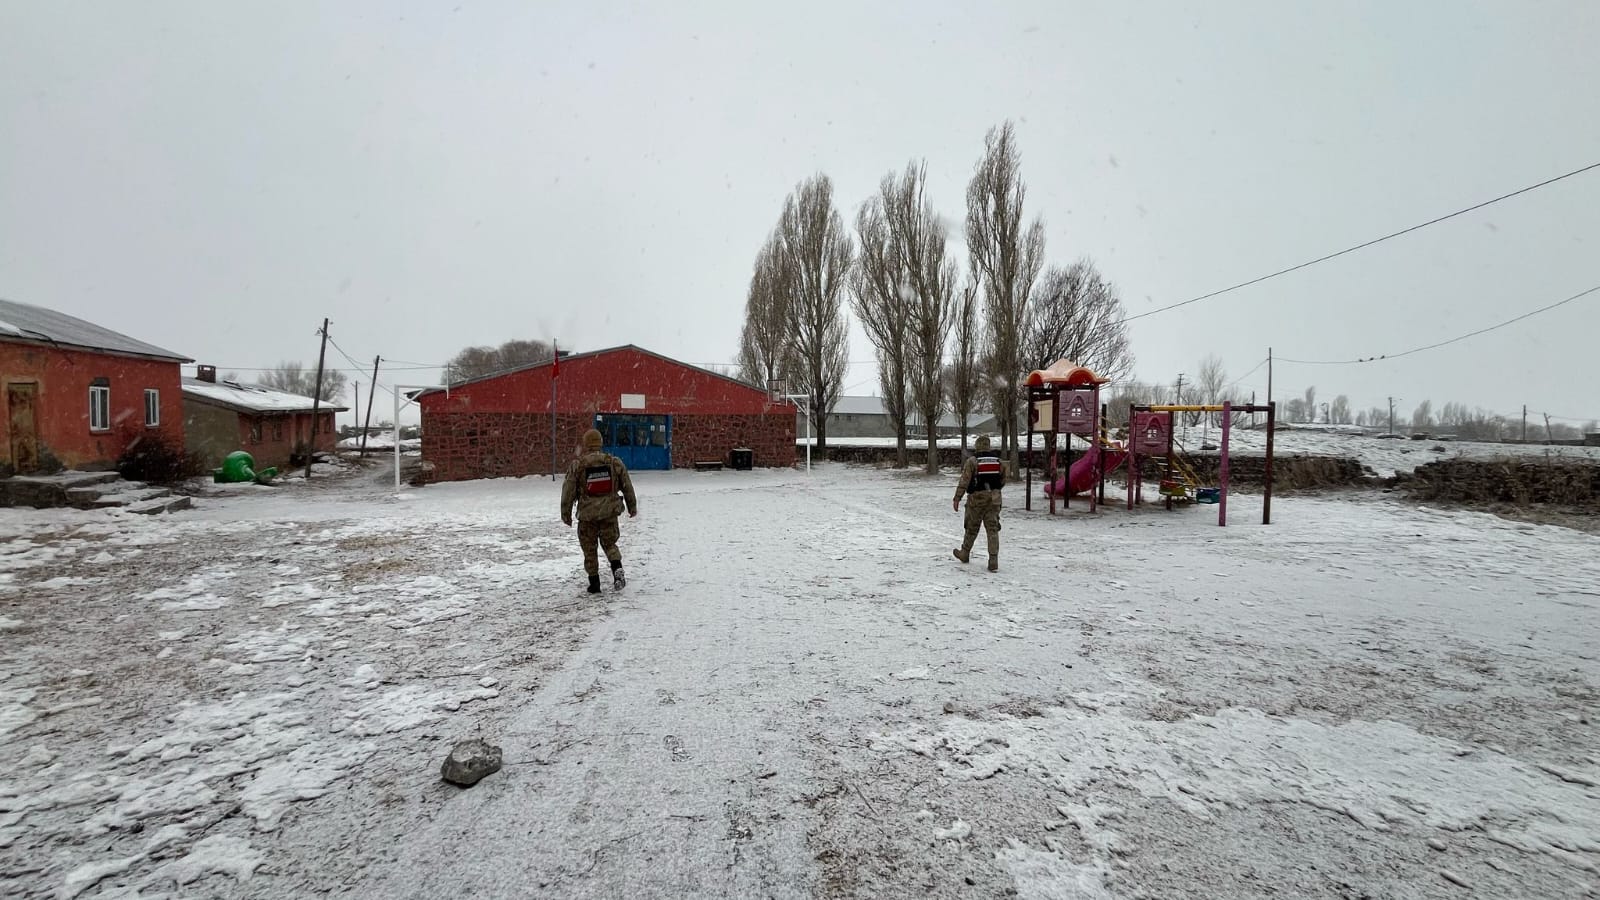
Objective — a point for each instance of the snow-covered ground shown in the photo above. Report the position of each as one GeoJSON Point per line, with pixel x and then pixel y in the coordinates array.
{"type": "Point", "coordinates": [1383, 455]}
{"type": "Point", "coordinates": [384, 441]}
{"type": "Point", "coordinates": [799, 694]}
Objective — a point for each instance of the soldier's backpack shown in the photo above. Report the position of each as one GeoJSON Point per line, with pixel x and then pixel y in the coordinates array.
{"type": "Point", "coordinates": [597, 481]}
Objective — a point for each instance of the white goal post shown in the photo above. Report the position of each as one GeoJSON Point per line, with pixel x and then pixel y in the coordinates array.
{"type": "Point", "coordinates": [806, 406]}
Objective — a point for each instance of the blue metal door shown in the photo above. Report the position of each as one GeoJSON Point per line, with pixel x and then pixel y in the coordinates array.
{"type": "Point", "coordinates": [641, 442]}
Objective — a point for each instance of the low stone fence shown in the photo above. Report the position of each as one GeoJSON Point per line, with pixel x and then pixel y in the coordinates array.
{"type": "Point", "coordinates": [1517, 481]}
{"type": "Point", "coordinates": [1289, 471]}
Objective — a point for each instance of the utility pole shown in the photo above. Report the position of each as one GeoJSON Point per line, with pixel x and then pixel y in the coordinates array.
{"type": "Point", "coordinates": [1547, 435]}
{"type": "Point", "coordinates": [555, 372]}
{"type": "Point", "coordinates": [1178, 401]}
{"type": "Point", "coordinates": [370, 391]}
{"type": "Point", "coordinates": [1391, 417]}
{"type": "Point", "coordinates": [1524, 423]}
{"type": "Point", "coordinates": [1269, 375]}
{"type": "Point", "coordinates": [316, 399]}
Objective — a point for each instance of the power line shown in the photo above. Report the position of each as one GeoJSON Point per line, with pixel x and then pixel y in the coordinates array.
{"type": "Point", "coordinates": [1471, 334]}
{"type": "Point", "coordinates": [1235, 382]}
{"type": "Point", "coordinates": [1365, 244]}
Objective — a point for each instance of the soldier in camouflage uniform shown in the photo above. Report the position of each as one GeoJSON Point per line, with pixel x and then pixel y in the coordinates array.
{"type": "Point", "coordinates": [982, 477]}
{"type": "Point", "coordinates": [598, 483]}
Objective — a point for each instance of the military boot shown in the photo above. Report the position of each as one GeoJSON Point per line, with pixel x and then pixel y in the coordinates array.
{"type": "Point", "coordinates": [960, 554]}
{"type": "Point", "coordinates": [594, 584]}
{"type": "Point", "coordinates": [618, 580]}
{"type": "Point", "coordinates": [994, 563]}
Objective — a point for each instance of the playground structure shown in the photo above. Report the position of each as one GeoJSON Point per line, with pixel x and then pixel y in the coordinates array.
{"type": "Point", "coordinates": [1065, 400]}
{"type": "Point", "coordinates": [1150, 434]}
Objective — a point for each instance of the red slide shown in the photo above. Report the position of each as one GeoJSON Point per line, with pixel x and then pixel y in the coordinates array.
{"type": "Point", "coordinates": [1081, 476]}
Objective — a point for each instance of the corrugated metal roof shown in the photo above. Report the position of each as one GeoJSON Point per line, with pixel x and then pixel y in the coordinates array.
{"type": "Point", "coordinates": [252, 398]}
{"type": "Point", "coordinates": [24, 321]}
{"type": "Point", "coordinates": [859, 406]}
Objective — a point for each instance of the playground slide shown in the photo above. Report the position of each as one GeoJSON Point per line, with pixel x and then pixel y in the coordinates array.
{"type": "Point", "coordinates": [1081, 476]}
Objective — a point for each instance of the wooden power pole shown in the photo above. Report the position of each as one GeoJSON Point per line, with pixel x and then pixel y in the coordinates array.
{"type": "Point", "coordinates": [368, 423]}
{"type": "Point", "coordinates": [316, 399]}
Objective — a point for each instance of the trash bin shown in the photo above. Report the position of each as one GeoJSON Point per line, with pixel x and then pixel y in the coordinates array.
{"type": "Point", "coordinates": [742, 459]}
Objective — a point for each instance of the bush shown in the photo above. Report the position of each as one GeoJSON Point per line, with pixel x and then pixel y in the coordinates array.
{"type": "Point", "coordinates": [156, 461]}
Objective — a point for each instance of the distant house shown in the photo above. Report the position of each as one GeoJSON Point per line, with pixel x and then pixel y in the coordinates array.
{"type": "Point", "coordinates": [865, 417]}
{"type": "Point", "coordinates": [272, 426]}
{"type": "Point", "coordinates": [78, 395]}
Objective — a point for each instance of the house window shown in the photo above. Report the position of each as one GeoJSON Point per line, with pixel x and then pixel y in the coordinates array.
{"type": "Point", "coordinates": [277, 429]}
{"type": "Point", "coordinates": [100, 405]}
{"type": "Point", "coordinates": [255, 431]}
{"type": "Point", "coordinates": [152, 408]}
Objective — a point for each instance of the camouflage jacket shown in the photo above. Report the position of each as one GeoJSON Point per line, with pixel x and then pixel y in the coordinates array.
{"type": "Point", "coordinates": [981, 472]}
{"type": "Point", "coordinates": [598, 483]}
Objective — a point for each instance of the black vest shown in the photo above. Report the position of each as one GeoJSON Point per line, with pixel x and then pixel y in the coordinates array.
{"type": "Point", "coordinates": [988, 475]}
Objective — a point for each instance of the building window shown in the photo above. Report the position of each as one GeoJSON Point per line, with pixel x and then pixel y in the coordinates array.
{"type": "Point", "coordinates": [152, 407]}
{"type": "Point", "coordinates": [277, 429]}
{"type": "Point", "coordinates": [255, 431]}
{"type": "Point", "coordinates": [100, 405]}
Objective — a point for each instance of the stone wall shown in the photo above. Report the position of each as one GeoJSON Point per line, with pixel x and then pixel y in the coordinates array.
{"type": "Point", "coordinates": [704, 438]}
{"type": "Point", "coordinates": [1289, 472]}
{"type": "Point", "coordinates": [462, 445]}
{"type": "Point", "coordinates": [1518, 481]}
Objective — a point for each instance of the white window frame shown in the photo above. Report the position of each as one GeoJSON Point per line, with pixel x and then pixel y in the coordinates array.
{"type": "Point", "coordinates": [99, 407]}
{"type": "Point", "coordinates": [152, 408]}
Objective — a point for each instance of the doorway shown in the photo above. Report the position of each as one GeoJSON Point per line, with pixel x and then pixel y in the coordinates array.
{"type": "Point", "coordinates": [22, 404]}
{"type": "Point", "coordinates": [641, 442]}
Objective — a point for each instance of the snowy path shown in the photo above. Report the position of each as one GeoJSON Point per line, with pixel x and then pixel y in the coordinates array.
{"type": "Point", "coordinates": [799, 694]}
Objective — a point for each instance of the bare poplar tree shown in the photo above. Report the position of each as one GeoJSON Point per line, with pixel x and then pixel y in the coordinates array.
{"type": "Point", "coordinates": [965, 376]}
{"type": "Point", "coordinates": [927, 292]}
{"type": "Point", "coordinates": [293, 378]}
{"type": "Point", "coordinates": [1340, 413]}
{"type": "Point", "coordinates": [815, 254]}
{"type": "Point", "coordinates": [478, 362]}
{"type": "Point", "coordinates": [1006, 256]}
{"type": "Point", "coordinates": [1310, 413]}
{"type": "Point", "coordinates": [1422, 416]}
{"type": "Point", "coordinates": [765, 354]}
{"type": "Point", "coordinates": [1209, 383]}
{"type": "Point", "coordinates": [1078, 315]}
{"type": "Point", "coordinates": [876, 284]}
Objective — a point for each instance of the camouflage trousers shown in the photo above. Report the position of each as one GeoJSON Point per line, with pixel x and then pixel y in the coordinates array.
{"type": "Point", "coordinates": [983, 511]}
{"type": "Point", "coordinates": [601, 532]}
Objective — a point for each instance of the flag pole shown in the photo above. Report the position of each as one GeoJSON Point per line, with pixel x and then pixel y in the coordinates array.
{"type": "Point", "coordinates": [555, 371]}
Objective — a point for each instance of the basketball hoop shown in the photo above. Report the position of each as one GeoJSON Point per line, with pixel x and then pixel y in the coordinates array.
{"type": "Point", "coordinates": [775, 389]}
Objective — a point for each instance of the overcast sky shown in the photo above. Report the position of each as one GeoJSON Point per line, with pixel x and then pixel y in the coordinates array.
{"type": "Point", "coordinates": [217, 177]}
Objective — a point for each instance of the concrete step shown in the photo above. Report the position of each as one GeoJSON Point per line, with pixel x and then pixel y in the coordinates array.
{"type": "Point", "coordinates": [158, 505]}
{"type": "Point", "coordinates": [129, 497]}
{"type": "Point", "coordinates": [45, 491]}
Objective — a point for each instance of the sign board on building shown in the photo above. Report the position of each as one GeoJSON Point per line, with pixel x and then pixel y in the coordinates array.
{"type": "Point", "coordinates": [1077, 412]}
{"type": "Point", "coordinates": [632, 401]}
{"type": "Point", "coordinates": [1150, 433]}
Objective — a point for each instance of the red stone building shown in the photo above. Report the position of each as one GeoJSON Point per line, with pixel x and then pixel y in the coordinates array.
{"type": "Point", "coordinates": [79, 396]}
{"type": "Point", "coordinates": [272, 426]}
{"type": "Point", "coordinates": [653, 412]}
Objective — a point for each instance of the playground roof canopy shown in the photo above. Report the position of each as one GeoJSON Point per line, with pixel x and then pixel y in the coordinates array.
{"type": "Point", "coordinates": [1064, 374]}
